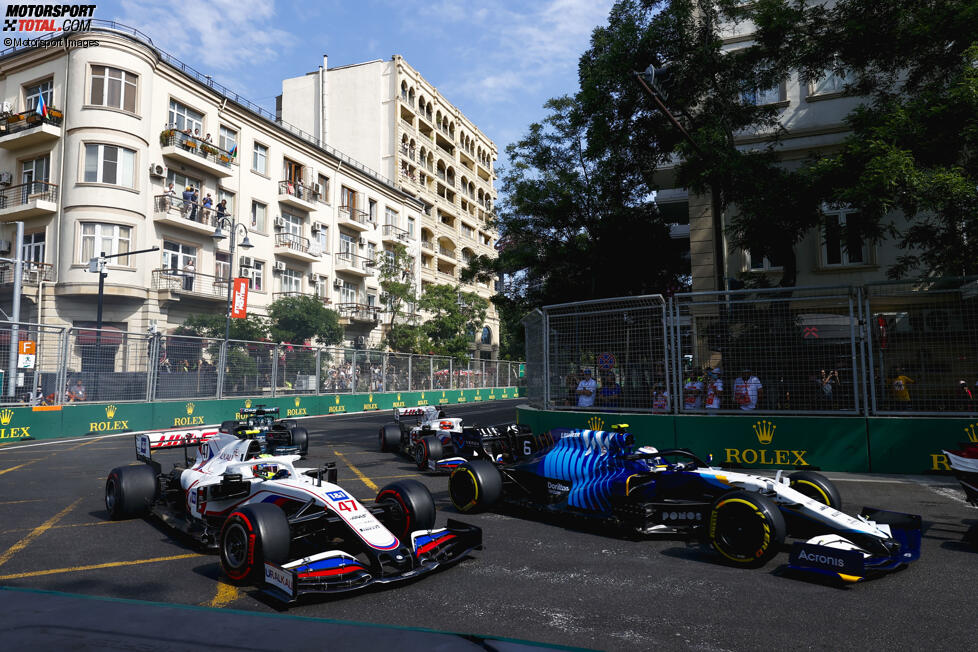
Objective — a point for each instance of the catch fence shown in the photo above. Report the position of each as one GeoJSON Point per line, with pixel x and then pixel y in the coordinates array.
{"type": "Point", "coordinates": [893, 348]}
{"type": "Point", "coordinates": [75, 364]}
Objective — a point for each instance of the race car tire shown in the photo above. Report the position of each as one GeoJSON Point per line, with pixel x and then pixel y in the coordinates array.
{"type": "Point", "coordinates": [746, 528]}
{"type": "Point", "coordinates": [411, 507]}
{"type": "Point", "coordinates": [817, 487]}
{"type": "Point", "coordinates": [130, 491]}
{"type": "Point", "coordinates": [429, 448]}
{"type": "Point", "coordinates": [300, 438]}
{"type": "Point", "coordinates": [251, 536]}
{"type": "Point", "coordinates": [475, 486]}
{"type": "Point", "coordinates": [288, 424]}
{"type": "Point", "coordinates": [390, 437]}
{"type": "Point", "coordinates": [228, 426]}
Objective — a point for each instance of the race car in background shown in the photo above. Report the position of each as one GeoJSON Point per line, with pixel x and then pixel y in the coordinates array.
{"type": "Point", "coordinates": [438, 443]}
{"type": "Point", "coordinates": [596, 475]}
{"type": "Point", "coordinates": [286, 529]}
{"type": "Point", "coordinates": [275, 436]}
{"type": "Point", "coordinates": [964, 463]}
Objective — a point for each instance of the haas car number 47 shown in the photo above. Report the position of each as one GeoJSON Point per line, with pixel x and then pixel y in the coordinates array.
{"type": "Point", "coordinates": [286, 529]}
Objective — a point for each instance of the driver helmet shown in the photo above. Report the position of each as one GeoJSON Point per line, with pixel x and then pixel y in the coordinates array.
{"type": "Point", "coordinates": [651, 461]}
{"type": "Point", "coordinates": [265, 470]}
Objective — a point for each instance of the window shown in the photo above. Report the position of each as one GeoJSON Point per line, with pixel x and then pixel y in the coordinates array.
{"type": "Point", "coordinates": [259, 160]}
{"type": "Point", "coordinates": [34, 246]}
{"type": "Point", "coordinates": [486, 335]}
{"type": "Point", "coordinates": [110, 238]}
{"type": "Point", "coordinates": [838, 247]}
{"type": "Point", "coordinates": [390, 217]}
{"type": "Point", "coordinates": [181, 181]}
{"type": "Point", "coordinates": [321, 288]}
{"type": "Point", "coordinates": [348, 292]}
{"type": "Point", "coordinates": [183, 118]}
{"type": "Point", "coordinates": [760, 96]}
{"type": "Point", "coordinates": [410, 225]}
{"type": "Point", "coordinates": [257, 279]}
{"type": "Point", "coordinates": [371, 300]}
{"type": "Point", "coordinates": [227, 139]}
{"type": "Point", "coordinates": [322, 239]}
{"type": "Point", "coordinates": [226, 195]}
{"type": "Point", "coordinates": [830, 82]}
{"type": "Point", "coordinates": [293, 223]}
{"type": "Point", "coordinates": [176, 256]}
{"type": "Point", "coordinates": [258, 210]}
{"type": "Point", "coordinates": [290, 281]}
{"type": "Point", "coordinates": [110, 164]}
{"type": "Point", "coordinates": [372, 210]}
{"type": "Point", "coordinates": [324, 188]}
{"type": "Point", "coordinates": [468, 231]}
{"type": "Point", "coordinates": [113, 88]}
{"type": "Point", "coordinates": [33, 92]}
{"type": "Point", "coordinates": [372, 251]}
{"type": "Point", "coordinates": [223, 268]}
{"type": "Point", "coordinates": [348, 198]}
{"type": "Point", "coordinates": [291, 171]}
{"type": "Point", "coordinates": [348, 244]}
{"type": "Point", "coordinates": [34, 175]}
{"type": "Point", "coordinates": [760, 264]}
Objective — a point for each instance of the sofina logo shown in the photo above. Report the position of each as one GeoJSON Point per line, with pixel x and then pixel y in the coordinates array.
{"type": "Point", "coordinates": [370, 405]}
{"type": "Point", "coordinates": [6, 415]}
{"type": "Point", "coordinates": [595, 423]}
{"type": "Point", "coordinates": [296, 411]}
{"type": "Point", "coordinates": [939, 461]}
{"type": "Point", "coordinates": [333, 409]}
{"type": "Point", "coordinates": [189, 420]}
{"type": "Point", "coordinates": [764, 431]}
{"type": "Point", "coordinates": [111, 424]}
{"type": "Point", "coordinates": [398, 403]}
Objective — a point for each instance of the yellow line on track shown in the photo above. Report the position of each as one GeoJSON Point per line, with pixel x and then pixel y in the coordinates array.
{"type": "Point", "coordinates": [62, 527]}
{"type": "Point", "coordinates": [17, 502]}
{"type": "Point", "coordinates": [367, 481]}
{"type": "Point", "coordinates": [226, 594]}
{"type": "Point", "coordinates": [36, 532]}
{"type": "Point", "coordinates": [85, 443]}
{"type": "Point", "coordinates": [14, 468]}
{"type": "Point", "coordinates": [112, 564]}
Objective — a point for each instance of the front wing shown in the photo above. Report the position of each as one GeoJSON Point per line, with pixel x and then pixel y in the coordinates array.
{"type": "Point", "coordinates": [338, 572]}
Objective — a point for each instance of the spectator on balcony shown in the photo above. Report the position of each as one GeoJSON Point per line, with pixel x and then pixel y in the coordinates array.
{"type": "Point", "coordinates": [188, 201]}
{"type": "Point", "coordinates": [748, 390]}
{"type": "Point", "coordinates": [298, 188]}
{"type": "Point", "coordinates": [189, 271]}
{"type": "Point", "coordinates": [194, 204]}
{"type": "Point", "coordinates": [222, 208]}
{"type": "Point", "coordinates": [207, 203]}
{"type": "Point", "coordinates": [170, 196]}
{"type": "Point", "coordinates": [207, 139]}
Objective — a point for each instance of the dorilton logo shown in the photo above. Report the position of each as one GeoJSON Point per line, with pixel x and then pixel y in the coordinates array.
{"type": "Point", "coordinates": [764, 431]}
{"type": "Point", "coordinates": [6, 415]}
{"type": "Point", "coordinates": [821, 559]}
{"type": "Point", "coordinates": [557, 487]}
{"type": "Point", "coordinates": [595, 423]}
{"type": "Point", "coordinates": [111, 424]}
{"type": "Point", "coordinates": [189, 420]}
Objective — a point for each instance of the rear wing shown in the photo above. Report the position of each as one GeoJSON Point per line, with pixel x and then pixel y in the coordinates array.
{"type": "Point", "coordinates": [420, 413]}
{"type": "Point", "coordinates": [148, 442]}
{"type": "Point", "coordinates": [259, 409]}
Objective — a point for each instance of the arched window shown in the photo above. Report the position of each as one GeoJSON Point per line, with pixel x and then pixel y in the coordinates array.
{"type": "Point", "coordinates": [486, 335]}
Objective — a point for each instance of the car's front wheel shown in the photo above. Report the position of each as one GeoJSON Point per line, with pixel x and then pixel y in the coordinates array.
{"type": "Point", "coordinates": [746, 528]}
{"type": "Point", "coordinates": [300, 438]}
{"type": "Point", "coordinates": [409, 505]}
{"type": "Point", "coordinates": [427, 450]}
{"type": "Point", "coordinates": [251, 536]}
{"type": "Point", "coordinates": [817, 487]}
{"type": "Point", "coordinates": [130, 491]}
{"type": "Point", "coordinates": [475, 486]}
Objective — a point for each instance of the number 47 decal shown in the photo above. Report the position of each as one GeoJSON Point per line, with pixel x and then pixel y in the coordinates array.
{"type": "Point", "coordinates": [347, 505]}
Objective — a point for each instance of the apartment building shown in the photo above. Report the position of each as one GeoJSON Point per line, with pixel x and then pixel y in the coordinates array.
{"type": "Point", "coordinates": [812, 117]}
{"type": "Point", "coordinates": [427, 146]}
{"type": "Point", "coordinates": [90, 171]}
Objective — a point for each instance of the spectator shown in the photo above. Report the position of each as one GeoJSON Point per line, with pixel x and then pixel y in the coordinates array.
{"type": "Point", "coordinates": [298, 188]}
{"type": "Point", "coordinates": [170, 196]}
{"type": "Point", "coordinates": [207, 139]}
{"type": "Point", "coordinates": [194, 199]}
{"type": "Point", "coordinates": [188, 276]}
{"type": "Point", "coordinates": [184, 366]}
{"type": "Point", "coordinates": [610, 393]}
{"type": "Point", "coordinates": [693, 393]}
{"type": "Point", "coordinates": [222, 208]}
{"type": "Point", "coordinates": [827, 385]}
{"type": "Point", "coordinates": [586, 389]}
{"type": "Point", "coordinates": [900, 391]}
{"type": "Point", "coordinates": [714, 389]}
{"type": "Point", "coordinates": [188, 201]}
{"type": "Point", "coordinates": [966, 399]}
{"type": "Point", "coordinates": [76, 392]}
{"type": "Point", "coordinates": [206, 212]}
{"type": "Point", "coordinates": [660, 399]}
{"type": "Point", "coordinates": [748, 390]}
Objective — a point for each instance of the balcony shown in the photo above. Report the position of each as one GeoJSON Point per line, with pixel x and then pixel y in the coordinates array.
{"type": "Point", "coordinates": [447, 273]}
{"type": "Point", "coordinates": [183, 214]}
{"type": "Point", "coordinates": [297, 195]}
{"type": "Point", "coordinates": [174, 284]}
{"type": "Point", "coordinates": [393, 233]}
{"type": "Point", "coordinates": [295, 246]}
{"type": "Point", "coordinates": [184, 148]}
{"type": "Point", "coordinates": [32, 273]}
{"type": "Point", "coordinates": [34, 199]}
{"type": "Point", "coordinates": [354, 218]}
{"type": "Point", "coordinates": [297, 293]}
{"type": "Point", "coordinates": [428, 244]}
{"type": "Point", "coordinates": [27, 129]}
{"type": "Point", "coordinates": [350, 263]}
{"type": "Point", "coordinates": [407, 152]}
{"type": "Point", "coordinates": [357, 312]}
{"type": "Point", "coordinates": [447, 253]}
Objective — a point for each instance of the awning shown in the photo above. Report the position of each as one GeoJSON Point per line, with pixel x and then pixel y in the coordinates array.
{"type": "Point", "coordinates": [111, 336]}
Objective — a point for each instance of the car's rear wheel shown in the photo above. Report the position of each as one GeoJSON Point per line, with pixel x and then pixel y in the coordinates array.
{"type": "Point", "coordinates": [475, 486]}
{"type": "Point", "coordinates": [289, 424]}
{"type": "Point", "coordinates": [251, 536]}
{"type": "Point", "coordinates": [817, 487]}
{"type": "Point", "coordinates": [746, 528]}
{"type": "Point", "coordinates": [429, 448]}
{"type": "Point", "coordinates": [410, 507]}
{"type": "Point", "coordinates": [130, 491]}
{"type": "Point", "coordinates": [228, 426]}
{"type": "Point", "coordinates": [390, 437]}
{"type": "Point", "coordinates": [300, 438]}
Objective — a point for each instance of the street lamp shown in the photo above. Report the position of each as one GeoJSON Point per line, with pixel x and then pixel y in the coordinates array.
{"type": "Point", "coordinates": [219, 235]}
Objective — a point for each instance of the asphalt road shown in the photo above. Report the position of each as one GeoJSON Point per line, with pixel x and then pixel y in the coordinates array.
{"type": "Point", "coordinates": [534, 580]}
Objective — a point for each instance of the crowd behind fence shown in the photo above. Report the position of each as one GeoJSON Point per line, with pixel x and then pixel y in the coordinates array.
{"type": "Point", "coordinates": [85, 364]}
{"type": "Point", "coordinates": [890, 348]}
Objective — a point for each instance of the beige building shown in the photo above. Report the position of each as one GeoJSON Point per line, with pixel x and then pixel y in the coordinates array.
{"type": "Point", "coordinates": [387, 115]}
{"type": "Point", "coordinates": [124, 122]}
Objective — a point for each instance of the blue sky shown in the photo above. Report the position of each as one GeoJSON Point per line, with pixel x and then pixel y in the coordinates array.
{"type": "Point", "coordinates": [498, 61]}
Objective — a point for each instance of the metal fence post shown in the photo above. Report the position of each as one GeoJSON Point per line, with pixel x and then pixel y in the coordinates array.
{"type": "Point", "coordinates": [431, 372]}
{"type": "Point", "coordinates": [546, 360]}
{"type": "Point", "coordinates": [275, 370]}
{"type": "Point", "coordinates": [383, 372]}
{"type": "Point", "coordinates": [410, 371]}
{"type": "Point", "coordinates": [61, 381]}
{"type": "Point", "coordinates": [451, 377]}
{"type": "Point", "coordinates": [354, 373]}
{"type": "Point", "coordinates": [153, 367]}
{"type": "Point", "coordinates": [870, 362]}
{"type": "Point", "coordinates": [319, 370]}
{"type": "Point", "coordinates": [852, 349]}
{"type": "Point", "coordinates": [221, 368]}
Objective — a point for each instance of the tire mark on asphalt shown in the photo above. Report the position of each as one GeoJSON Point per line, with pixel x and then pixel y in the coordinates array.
{"type": "Point", "coordinates": [36, 532]}
{"type": "Point", "coordinates": [363, 478]}
{"type": "Point", "coordinates": [111, 564]}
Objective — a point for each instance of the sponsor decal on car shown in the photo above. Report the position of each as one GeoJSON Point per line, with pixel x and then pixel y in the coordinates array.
{"type": "Point", "coordinates": [279, 578]}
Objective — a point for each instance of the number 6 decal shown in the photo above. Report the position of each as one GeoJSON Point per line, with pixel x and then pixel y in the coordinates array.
{"type": "Point", "coordinates": [527, 449]}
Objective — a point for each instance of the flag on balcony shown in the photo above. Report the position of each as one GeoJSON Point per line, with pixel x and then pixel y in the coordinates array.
{"type": "Point", "coordinates": [234, 151]}
{"type": "Point", "coordinates": [42, 108]}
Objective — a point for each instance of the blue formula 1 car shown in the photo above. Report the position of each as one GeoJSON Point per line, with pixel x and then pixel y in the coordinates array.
{"type": "Point", "coordinates": [590, 474]}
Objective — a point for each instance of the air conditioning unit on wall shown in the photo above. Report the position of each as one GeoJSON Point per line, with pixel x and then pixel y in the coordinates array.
{"type": "Point", "coordinates": [246, 261]}
{"type": "Point", "coordinates": [157, 170]}
{"type": "Point", "coordinates": [279, 266]}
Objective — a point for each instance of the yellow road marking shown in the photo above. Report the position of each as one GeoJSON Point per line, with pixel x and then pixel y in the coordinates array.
{"type": "Point", "coordinates": [62, 527]}
{"type": "Point", "coordinates": [393, 477]}
{"type": "Point", "coordinates": [226, 594]}
{"type": "Point", "coordinates": [17, 502]}
{"type": "Point", "coordinates": [367, 481]}
{"type": "Point", "coordinates": [36, 532]}
{"type": "Point", "coordinates": [85, 443]}
{"type": "Point", "coordinates": [75, 569]}
{"type": "Point", "coordinates": [14, 468]}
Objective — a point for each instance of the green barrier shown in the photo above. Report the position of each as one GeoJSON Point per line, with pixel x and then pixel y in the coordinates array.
{"type": "Point", "coordinates": [107, 418]}
{"type": "Point", "coordinates": [26, 423]}
{"type": "Point", "coordinates": [915, 445]}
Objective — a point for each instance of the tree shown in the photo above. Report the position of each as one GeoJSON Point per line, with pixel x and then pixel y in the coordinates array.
{"type": "Point", "coordinates": [453, 314]}
{"type": "Point", "coordinates": [254, 328]}
{"type": "Point", "coordinates": [397, 293]}
{"type": "Point", "coordinates": [301, 318]}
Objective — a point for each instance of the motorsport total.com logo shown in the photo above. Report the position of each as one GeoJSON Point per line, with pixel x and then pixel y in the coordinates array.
{"type": "Point", "coordinates": [48, 18]}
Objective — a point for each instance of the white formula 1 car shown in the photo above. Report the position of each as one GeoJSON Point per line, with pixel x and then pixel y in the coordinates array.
{"type": "Point", "coordinates": [288, 530]}
{"type": "Point", "coordinates": [425, 434]}
{"type": "Point", "coordinates": [964, 463]}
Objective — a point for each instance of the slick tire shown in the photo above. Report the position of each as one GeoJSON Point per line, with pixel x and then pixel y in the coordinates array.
{"type": "Point", "coordinates": [817, 487]}
{"type": "Point", "coordinates": [130, 491]}
{"type": "Point", "coordinates": [300, 438]}
{"type": "Point", "coordinates": [475, 486]}
{"type": "Point", "coordinates": [228, 426]}
{"type": "Point", "coordinates": [288, 424]}
{"type": "Point", "coordinates": [251, 536]}
{"type": "Point", "coordinates": [746, 528]}
{"type": "Point", "coordinates": [390, 437]}
{"type": "Point", "coordinates": [410, 507]}
{"type": "Point", "coordinates": [429, 448]}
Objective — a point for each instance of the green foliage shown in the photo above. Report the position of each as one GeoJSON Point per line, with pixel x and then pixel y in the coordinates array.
{"type": "Point", "coordinates": [453, 314]}
{"type": "Point", "coordinates": [300, 318]}
{"type": "Point", "coordinates": [253, 328]}
{"type": "Point", "coordinates": [397, 282]}
{"type": "Point", "coordinates": [404, 338]}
